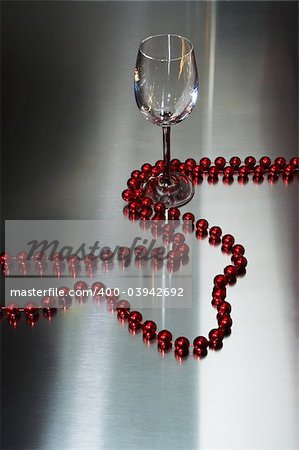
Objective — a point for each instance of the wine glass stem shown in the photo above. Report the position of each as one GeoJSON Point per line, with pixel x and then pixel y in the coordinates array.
{"type": "Point", "coordinates": [166, 153]}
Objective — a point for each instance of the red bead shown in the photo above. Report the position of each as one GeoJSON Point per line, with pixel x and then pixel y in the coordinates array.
{"type": "Point", "coordinates": [155, 172]}
{"type": "Point", "coordinates": [164, 336]}
{"type": "Point", "coordinates": [98, 290]}
{"type": "Point", "coordinates": [288, 170]}
{"type": "Point", "coordinates": [219, 293]}
{"type": "Point", "coordinates": [158, 253]}
{"type": "Point", "coordinates": [274, 170]}
{"type": "Point", "coordinates": [31, 319]}
{"type": "Point", "coordinates": [123, 253]}
{"type": "Point", "coordinates": [230, 272]}
{"type": "Point", "coordinates": [182, 168]}
{"type": "Point", "coordinates": [190, 163]}
{"type": "Point", "coordinates": [220, 281]}
{"type": "Point", "coordinates": [136, 174]}
{"type": "Point", "coordinates": [225, 321]}
{"type": "Point", "coordinates": [215, 232]}
{"type": "Point", "coordinates": [240, 262]}
{"type": "Point", "coordinates": [175, 164]}
{"type": "Point", "coordinates": [235, 162]}
{"type": "Point", "coordinates": [200, 352]}
{"type": "Point", "coordinates": [57, 257]}
{"type": "Point", "coordinates": [174, 213]}
{"type": "Point", "coordinates": [220, 162]}
{"type": "Point", "coordinates": [134, 207]}
{"type": "Point", "coordinates": [160, 164]}
{"type": "Point", "coordinates": [48, 302]}
{"type": "Point", "coordinates": [160, 208]}
{"type": "Point", "coordinates": [22, 257]}
{"type": "Point", "coordinates": [173, 255]}
{"type": "Point", "coordinates": [146, 167]}
{"type": "Point", "coordinates": [169, 229]}
{"type": "Point", "coordinates": [74, 260]}
{"type": "Point", "coordinates": [200, 342]}
{"type": "Point", "coordinates": [205, 163]}
{"type": "Point", "coordinates": [280, 162]}
{"type": "Point", "coordinates": [39, 257]}
{"type": "Point", "coordinates": [135, 316]}
{"type": "Point", "coordinates": [183, 249]}
{"type": "Point", "coordinates": [140, 251]}
{"type": "Point", "coordinates": [224, 308]}
{"type": "Point", "coordinates": [197, 170]}
{"type": "Point", "coordinates": [295, 162]}
{"type": "Point", "coordinates": [13, 321]}
{"type": "Point", "coordinates": [178, 238]}
{"type": "Point", "coordinates": [49, 313]}
{"type": "Point", "coordinates": [202, 225]}
{"type": "Point", "coordinates": [259, 171]}
{"type": "Point", "coordinates": [31, 309]}
{"type": "Point", "coordinates": [216, 333]}
{"type": "Point", "coordinates": [139, 194]}
{"type": "Point", "coordinates": [133, 183]}
{"type": "Point", "coordinates": [213, 172]}
{"type": "Point", "coordinates": [158, 217]}
{"type": "Point", "coordinates": [188, 217]}
{"type": "Point", "coordinates": [238, 250]}
{"type": "Point", "coordinates": [123, 309]}
{"type": "Point", "coordinates": [106, 254]}
{"type": "Point", "coordinates": [5, 258]}
{"type": "Point", "coordinates": [146, 213]}
{"type": "Point", "coordinates": [111, 295]}
{"type": "Point", "coordinates": [250, 162]}
{"type": "Point", "coordinates": [91, 259]}
{"type": "Point", "coordinates": [149, 330]}
{"type": "Point", "coordinates": [182, 343]}
{"type": "Point", "coordinates": [147, 202]}
{"type": "Point", "coordinates": [12, 310]}
{"type": "Point", "coordinates": [216, 344]}
{"type": "Point", "coordinates": [149, 325]}
{"type": "Point", "coordinates": [228, 172]}
{"type": "Point", "coordinates": [64, 293]}
{"type": "Point", "coordinates": [80, 286]}
{"type": "Point", "coordinates": [244, 171]}
{"type": "Point", "coordinates": [228, 240]}
{"type": "Point", "coordinates": [265, 162]}
{"type": "Point", "coordinates": [144, 176]}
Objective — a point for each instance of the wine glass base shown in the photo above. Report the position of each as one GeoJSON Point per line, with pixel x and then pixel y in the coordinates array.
{"type": "Point", "coordinates": [177, 192]}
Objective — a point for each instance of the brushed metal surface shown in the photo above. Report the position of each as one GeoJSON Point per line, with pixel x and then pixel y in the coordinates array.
{"type": "Point", "coordinates": [72, 135]}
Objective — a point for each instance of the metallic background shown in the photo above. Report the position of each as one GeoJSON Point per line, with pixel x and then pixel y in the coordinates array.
{"type": "Point", "coordinates": [71, 136]}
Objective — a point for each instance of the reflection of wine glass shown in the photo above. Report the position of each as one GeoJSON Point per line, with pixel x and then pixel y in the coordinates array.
{"type": "Point", "coordinates": [166, 88]}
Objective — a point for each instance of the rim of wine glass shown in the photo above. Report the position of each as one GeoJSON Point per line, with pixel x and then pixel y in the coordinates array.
{"type": "Point", "coordinates": [165, 59]}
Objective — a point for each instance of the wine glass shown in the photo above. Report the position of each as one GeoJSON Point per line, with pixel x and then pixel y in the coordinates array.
{"type": "Point", "coordinates": [166, 88]}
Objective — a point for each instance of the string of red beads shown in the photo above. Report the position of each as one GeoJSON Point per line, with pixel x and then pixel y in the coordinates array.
{"type": "Point", "coordinates": [141, 207]}
{"type": "Point", "coordinates": [195, 171]}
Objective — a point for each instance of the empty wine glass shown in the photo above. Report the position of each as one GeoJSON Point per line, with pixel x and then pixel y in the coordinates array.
{"type": "Point", "coordinates": [166, 87]}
